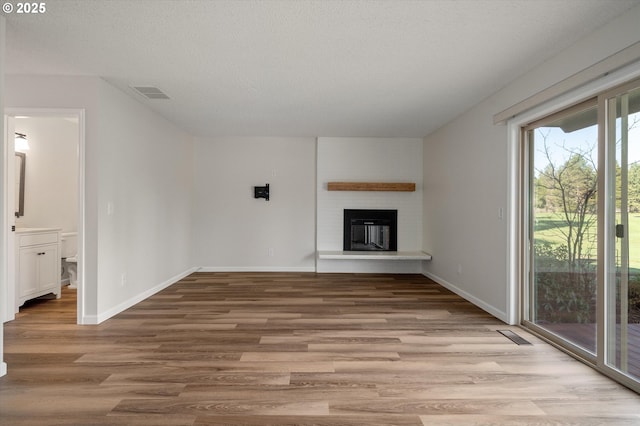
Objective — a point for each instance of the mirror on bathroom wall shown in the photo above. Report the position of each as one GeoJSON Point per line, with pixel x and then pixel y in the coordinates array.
{"type": "Point", "coordinates": [21, 160]}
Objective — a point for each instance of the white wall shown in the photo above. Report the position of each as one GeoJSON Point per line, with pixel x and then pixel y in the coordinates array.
{"type": "Point", "coordinates": [465, 170]}
{"type": "Point", "coordinates": [234, 231]}
{"type": "Point", "coordinates": [144, 202]}
{"type": "Point", "coordinates": [141, 164]}
{"type": "Point", "coordinates": [51, 178]}
{"type": "Point", "coordinates": [369, 160]}
{"type": "Point", "coordinates": [466, 176]}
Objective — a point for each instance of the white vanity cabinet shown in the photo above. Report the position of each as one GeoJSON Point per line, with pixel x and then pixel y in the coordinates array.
{"type": "Point", "coordinates": [37, 263]}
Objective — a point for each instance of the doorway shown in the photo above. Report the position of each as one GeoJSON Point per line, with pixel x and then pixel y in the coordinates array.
{"type": "Point", "coordinates": [53, 190]}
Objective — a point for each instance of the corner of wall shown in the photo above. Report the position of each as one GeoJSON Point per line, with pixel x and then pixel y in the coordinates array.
{"type": "Point", "coordinates": [499, 314]}
{"type": "Point", "coordinates": [115, 310]}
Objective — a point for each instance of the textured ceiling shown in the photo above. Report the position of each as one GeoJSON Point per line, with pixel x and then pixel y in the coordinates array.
{"type": "Point", "coordinates": [303, 68]}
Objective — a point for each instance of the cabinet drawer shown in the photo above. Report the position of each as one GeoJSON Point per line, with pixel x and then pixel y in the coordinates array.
{"type": "Point", "coordinates": [34, 239]}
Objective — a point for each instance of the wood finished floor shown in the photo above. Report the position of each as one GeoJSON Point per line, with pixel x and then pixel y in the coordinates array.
{"type": "Point", "coordinates": [295, 349]}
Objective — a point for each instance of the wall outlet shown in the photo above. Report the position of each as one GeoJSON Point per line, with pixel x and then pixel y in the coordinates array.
{"type": "Point", "coordinates": [272, 252]}
{"type": "Point", "coordinates": [459, 270]}
{"type": "Point", "coordinates": [123, 280]}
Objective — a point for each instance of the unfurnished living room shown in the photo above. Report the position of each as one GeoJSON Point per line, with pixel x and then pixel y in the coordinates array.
{"type": "Point", "coordinates": [358, 212]}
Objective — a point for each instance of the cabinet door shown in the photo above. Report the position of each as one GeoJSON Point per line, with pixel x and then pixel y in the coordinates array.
{"type": "Point", "coordinates": [28, 270]}
{"type": "Point", "coordinates": [47, 267]}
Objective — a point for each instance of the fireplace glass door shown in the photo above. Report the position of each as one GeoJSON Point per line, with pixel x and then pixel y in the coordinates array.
{"type": "Point", "coordinates": [370, 230]}
{"type": "Point", "coordinates": [370, 236]}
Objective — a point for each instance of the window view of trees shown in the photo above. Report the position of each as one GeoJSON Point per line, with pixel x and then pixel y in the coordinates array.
{"type": "Point", "coordinates": [565, 196]}
{"type": "Point", "coordinates": [565, 223]}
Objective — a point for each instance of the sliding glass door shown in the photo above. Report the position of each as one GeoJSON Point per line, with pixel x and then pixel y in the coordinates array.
{"type": "Point", "coordinates": [622, 332]}
{"type": "Point", "coordinates": [582, 233]}
{"type": "Point", "coordinates": [563, 154]}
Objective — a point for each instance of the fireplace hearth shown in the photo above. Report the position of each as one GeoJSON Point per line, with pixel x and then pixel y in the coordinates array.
{"type": "Point", "coordinates": [370, 230]}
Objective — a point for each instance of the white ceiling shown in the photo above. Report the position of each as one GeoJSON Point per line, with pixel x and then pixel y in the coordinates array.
{"type": "Point", "coordinates": [303, 68]}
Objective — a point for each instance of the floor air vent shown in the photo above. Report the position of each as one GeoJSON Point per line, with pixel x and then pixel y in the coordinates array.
{"type": "Point", "coordinates": [150, 92]}
{"type": "Point", "coordinates": [513, 337]}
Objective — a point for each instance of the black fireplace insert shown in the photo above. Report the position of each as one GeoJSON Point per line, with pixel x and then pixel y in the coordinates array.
{"type": "Point", "coordinates": [370, 230]}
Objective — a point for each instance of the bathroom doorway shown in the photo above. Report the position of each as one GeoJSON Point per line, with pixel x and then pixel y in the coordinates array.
{"type": "Point", "coordinates": [52, 190]}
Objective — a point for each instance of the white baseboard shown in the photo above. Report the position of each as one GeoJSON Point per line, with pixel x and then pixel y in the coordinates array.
{"type": "Point", "coordinates": [256, 269]}
{"type": "Point", "coordinates": [89, 320]}
{"type": "Point", "coordinates": [502, 316]}
{"type": "Point", "coordinates": [103, 316]}
{"type": "Point", "coordinates": [330, 266]}
{"type": "Point", "coordinates": [3, 369]}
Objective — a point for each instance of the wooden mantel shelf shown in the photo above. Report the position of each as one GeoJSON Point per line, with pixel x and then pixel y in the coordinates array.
{"type": "Point", "coordinates": [372, 186]}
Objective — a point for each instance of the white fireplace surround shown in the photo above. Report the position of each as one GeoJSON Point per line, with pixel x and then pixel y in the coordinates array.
{"type": "Point", "coordinates": [369, 160]}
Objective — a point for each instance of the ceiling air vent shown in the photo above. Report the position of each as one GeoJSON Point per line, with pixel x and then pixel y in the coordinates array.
{"type": "Point", "coordinates": [150, 92]}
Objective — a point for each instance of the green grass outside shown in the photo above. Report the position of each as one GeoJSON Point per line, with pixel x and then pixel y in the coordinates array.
{"type": "Point", "coordinates": [550, 227]}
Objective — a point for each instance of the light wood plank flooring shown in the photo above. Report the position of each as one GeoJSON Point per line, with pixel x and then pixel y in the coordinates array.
{"type": "Point", "coordinates": [295, 349]}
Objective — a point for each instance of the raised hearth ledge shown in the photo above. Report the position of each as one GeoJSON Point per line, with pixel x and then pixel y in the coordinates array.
{"type": "Point", "coordinates": [374, 255]}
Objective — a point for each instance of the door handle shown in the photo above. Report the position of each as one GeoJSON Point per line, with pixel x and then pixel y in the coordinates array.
{"type": "Point", "coordinates": [620, 231]}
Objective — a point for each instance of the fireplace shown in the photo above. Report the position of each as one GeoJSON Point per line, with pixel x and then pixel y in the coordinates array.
{"type": "Point", "coordinates": [370, 230]}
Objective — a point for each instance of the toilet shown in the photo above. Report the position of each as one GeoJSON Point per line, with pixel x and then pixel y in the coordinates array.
{"type": "Point", "coordinates": [69, 257]}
